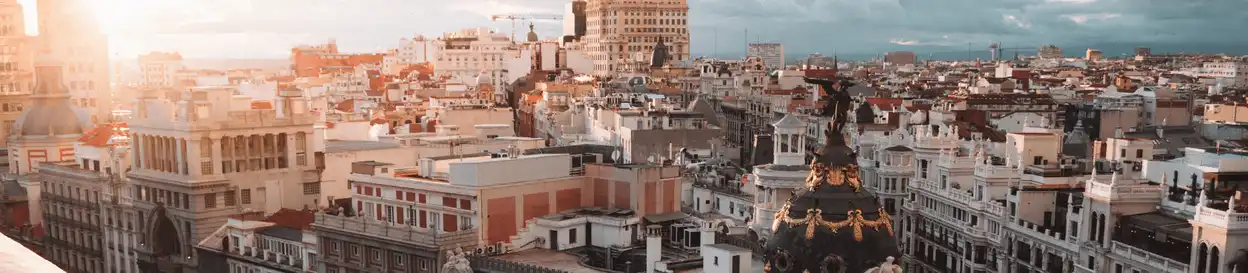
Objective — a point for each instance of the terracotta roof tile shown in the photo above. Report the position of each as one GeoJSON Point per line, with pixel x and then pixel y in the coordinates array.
{"type": "Point", "coordinates": [102, 133]}
{"type": "Point", "coordinates": [296, 219]}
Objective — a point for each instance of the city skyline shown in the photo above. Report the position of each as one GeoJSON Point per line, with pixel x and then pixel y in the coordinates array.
{"type": "Point", "coordinates": [249, 29]}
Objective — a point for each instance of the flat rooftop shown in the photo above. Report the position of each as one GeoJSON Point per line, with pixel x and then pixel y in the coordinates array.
{"type": "Point", "coordinates": [549, 259]}
{"type": "Point", "coordinates": [339, 146]}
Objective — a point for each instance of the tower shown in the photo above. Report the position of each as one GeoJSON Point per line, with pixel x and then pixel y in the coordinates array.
{"type": "Point", "coordinates": [789, 141]}
{"type": "Point", "coordinates": [69, 32]}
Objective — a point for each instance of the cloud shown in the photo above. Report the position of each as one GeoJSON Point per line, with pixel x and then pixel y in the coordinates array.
{"type": "Point", "coordinates": [1083, 18]}
{"type": "Point", "coordinates": [865, 26]}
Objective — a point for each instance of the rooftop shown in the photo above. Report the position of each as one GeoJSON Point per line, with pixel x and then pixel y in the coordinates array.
{"type": "Point", "coordinates": [338, 146]}
{"type": "Point", "coordinates": [550, 259]}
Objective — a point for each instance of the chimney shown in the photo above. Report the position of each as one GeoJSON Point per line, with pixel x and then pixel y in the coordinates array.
{"type": "Point", "coordinates": [654, 249]}
{"type": "Point", "coordinates": [708, 233]}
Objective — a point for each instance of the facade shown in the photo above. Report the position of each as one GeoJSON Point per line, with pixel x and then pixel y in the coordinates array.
{"type": "Point", "coordinates": [616, 30]}
{"type": "Point", "coordinates": [1049, 52]}
{"type": "Point", "coordinates": [281, 242]}
{"type": "Point", "coordinates": [70, 34]}
{"type": "Point", "coordinates": [86, 229]}
{"type": "Point", "coordinates": [454, 202]}
{"type": "Point", "coordinates": [314, 60]}
{"type": "Point", "coordinates": [472, 56]}
{"type": "Point", "coordinates": [16, 66]}
{"type": "Point", "coordinates": [779, 180]}
{"type": "Point", "coordinates": [771, 53]}
{"type": "Point", "coordinates": [901, 58]}
{"type": "Point", "coordinates": [574, 21]}
{"type": "Point", "coordinates": [160, 69]}
{"type": "Point", "coordinates": [205, 154]}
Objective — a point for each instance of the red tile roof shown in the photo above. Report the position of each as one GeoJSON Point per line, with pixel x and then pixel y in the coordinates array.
{"type": "Point", "coordinates": [102, 133]}
{"type": "Point", "coordinates": [346, 106]}
{"type": "Point", "coordinates": [885, 104]}
{"type": "Point", "coordinates": [290, 218]}
{"type": "Point", "coordinates": [261, 105]}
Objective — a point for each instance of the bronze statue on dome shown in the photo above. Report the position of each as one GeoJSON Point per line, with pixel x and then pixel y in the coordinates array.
{"type": "Point", "coordinates": [831, 224]}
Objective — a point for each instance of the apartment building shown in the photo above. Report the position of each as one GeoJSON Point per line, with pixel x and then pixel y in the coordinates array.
{"type": "Point", "coordinates": [252, 242]}
{"type": "Point", "coordinates": [204, 154]}
{"type": "Point", "coordinates": [474, 56]}
{"type": "Point", "coordinates": [314, 60]}
{"type": "Point", "coordinates": [616, 30]}
{"type": "Point", "coordinates": [69, 32]}
{"type": "Point", "coordinates": [651, 134]}
{"type": "Point", "coordinates": [160, 69]}
{"type": "Point", "coordinates": [455, 202]}
{"type": "Point", "coordinates": [15, 66]}
{"type": "Point", "coordinates": [89, 228]}
{"type": "Point", "coordinates": [771, 53]}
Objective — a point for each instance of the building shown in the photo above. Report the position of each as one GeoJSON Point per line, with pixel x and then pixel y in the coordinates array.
{"type": "Point", "coordinates": [1093, 55]}
{"type": "Point", "coordinates": [160, 69]}
{"type": "Point", "coordinates": [280, 242]}
{"type": "Point", "coordinates": [314, 60]}
{"type": "Point", "coordinates": [1143, 52]}
{"type": "Point", "coordinates": [64, 28]}
{"type": "Point", "coordinates": [780, 179]}
{"type": "Point", "coordinates": [88, 227]}
{"type": "Point", "coordinates": [771, 53]}
{"type": "Point", "coordinates": [204, 154]}
{"type": "Point", "coordinates": [900, 58]}
{"type": "Point", "coordinates": [472, 56]}
{"type": "Point", "coordinates": [574, 19]}
{"type": "Point", "coordinates": [617, 30]}
{"type": "Point", "coordinates": [16, 69]}
{"type": "Point", "coordinates": [459, 201]}
{"type": "Point", "coordinates": [44, 135]}
{"type": "Point", "coordinates": [1049, 52]}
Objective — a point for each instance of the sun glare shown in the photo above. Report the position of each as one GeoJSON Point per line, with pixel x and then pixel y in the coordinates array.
{"type": "Point", "coordinates": [114, 16]}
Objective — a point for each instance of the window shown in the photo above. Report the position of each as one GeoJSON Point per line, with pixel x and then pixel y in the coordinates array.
{"type": "Point", "coordinates": [1139, 153]}
{"type": "Point", "coordinates": [210, 200]}
{"type": "Point", "coordinates": [572, 236]}
{"type": "Point", "coordinates": [246, 196]}
{"type": "Point", "coordinates": [398, 259]}
{"type": "Point", "coordinates": [230, 198]}
{"type": "Point", "coordinates": [355, 251]}
{"type": "Point", "coordinates": [311, 188]}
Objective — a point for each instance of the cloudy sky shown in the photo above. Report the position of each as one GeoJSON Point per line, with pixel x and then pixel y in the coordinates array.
{"type": "Point", "coordinates": [269, 28]}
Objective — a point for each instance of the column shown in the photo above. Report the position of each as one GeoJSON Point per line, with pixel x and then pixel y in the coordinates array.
{"type": "Point", "coordinates": [217, 165]}
{"type": "Point", "coordinates": [137, 142]}
{"type": "Point", "coordinates": [179, 149]}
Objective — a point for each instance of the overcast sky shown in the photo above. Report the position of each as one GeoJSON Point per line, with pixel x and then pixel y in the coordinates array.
{"type": "Point", "coordinates": [269, 28]}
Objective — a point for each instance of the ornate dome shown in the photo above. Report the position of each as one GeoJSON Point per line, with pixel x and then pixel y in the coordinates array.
{"type": "Point", "coordinates": [831, 224]}
{"type": "Point", "coordinates": [49, 112]}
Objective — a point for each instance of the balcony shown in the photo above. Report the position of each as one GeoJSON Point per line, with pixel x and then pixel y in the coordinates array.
{"type": "Point", "coordinates": [949, 161]}
{"type": "Point", "coordinates": [958, 196]}
{"type": "Point", "coordinates": [935, 143]}
{"type": "Point", "coordinates": [435, 239]}
{"type": "Point", "coordinates": [1042, 234]}
{"type": "Point", "coordinates": [1221, 218]}
{"type": "Point", "coordinates": [1080, 269]}
{"type": "Point", "coordinates": [995, 171]}
{"type": "Point", "coordinates": [1118, 192]}
{"type": "Point", "coordinates": [1149, 258]}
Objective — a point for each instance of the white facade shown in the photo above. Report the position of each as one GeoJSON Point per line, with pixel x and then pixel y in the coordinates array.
{"type": "Point", "coordinates": [472, 56]}
{"type": "Point", "coordinates": [771, 53]}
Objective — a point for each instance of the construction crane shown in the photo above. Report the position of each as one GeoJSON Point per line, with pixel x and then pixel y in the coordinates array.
{"type": "Point", "coordinates": [996, 49]}
{"type": "Point", "coordinates": [526, 17]}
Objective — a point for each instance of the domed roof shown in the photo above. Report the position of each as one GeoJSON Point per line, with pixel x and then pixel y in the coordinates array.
{"type": "Point", "coordinates": [49, 112]}
{"type": "Point", "coordinates": [832, 224]}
